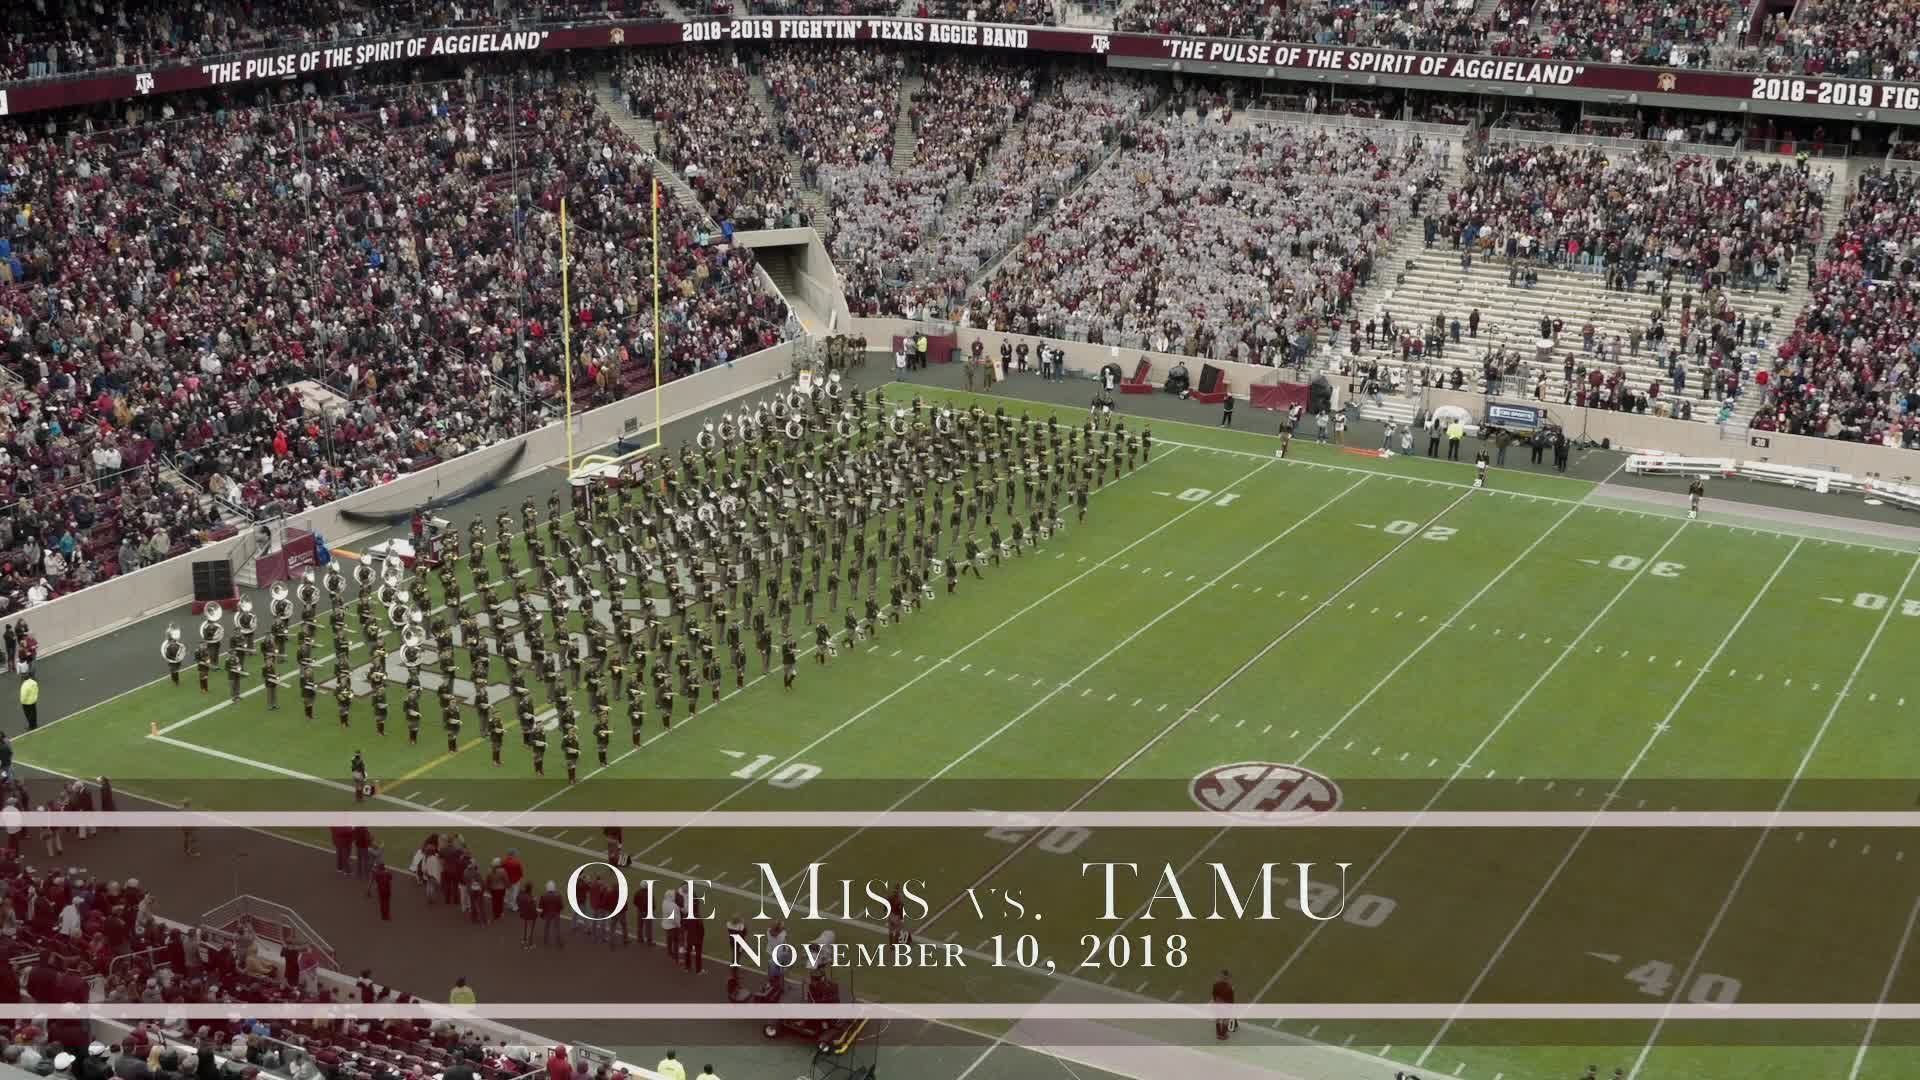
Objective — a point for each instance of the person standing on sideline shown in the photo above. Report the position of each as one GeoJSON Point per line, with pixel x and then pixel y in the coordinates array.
{"type": "Point", "coordinates": [462, 995]}
{"type": "Point", "coordinates": [1226, 412]}
{"type": "Point", "coordinates": [900, 361]}
{"type": "Point", "coordinates": [693, 931]}
{"type": "Point", "coordinates": [1455, 432]}
{"type": "Point", "coordinates": [670, 1067]}
{"type": "Point", "coordinates": [6, 758]}
{"type": "Point", "coordinates": [189, 840]}
{"type": "Point", "coordinates": [707, 1073]}
{"type": "Point", "coordinates": [383, 890]}
{"type": "Point", "coordinates": [1433, 435]}
{"type": "Point", "coordinates": [1223, 995]}
{"type": "Point", "coordinates": [30, 700]}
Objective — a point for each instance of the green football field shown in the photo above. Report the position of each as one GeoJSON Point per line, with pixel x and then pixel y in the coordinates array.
{"type": "Point", "coordinates": [1419, 643]}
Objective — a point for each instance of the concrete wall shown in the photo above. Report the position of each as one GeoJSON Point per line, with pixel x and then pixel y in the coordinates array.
{"type": "Point", "coordinates": [86, 614]}
{"type": "Point", "coordinates": [813, 271]}
{"type": "Point", "coordinates": [1693, 438]}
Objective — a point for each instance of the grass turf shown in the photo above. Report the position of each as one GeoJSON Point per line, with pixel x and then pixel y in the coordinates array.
{"type": "Point", "coordinates": [1376, 621]}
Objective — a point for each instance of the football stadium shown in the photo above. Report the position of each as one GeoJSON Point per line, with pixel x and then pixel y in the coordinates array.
{"type": "Point", "coordinates": [1114, 541]}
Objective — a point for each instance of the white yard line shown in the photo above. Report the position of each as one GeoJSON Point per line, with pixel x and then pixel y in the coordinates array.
{"type": "Point", "coordinates": [1079, 675]}
{"type": "Point", "coordinates": [1201, 704]}
{"type": "Point", "coordinates": [1893, 969]}
{"type": "Point", "coordinates": [1606, 804]}
{"type": "Point", "coordinates": [984, 1054]}
{"type": "Point", "coordinates": [1467, 763]}
{"type": "Point", "coordinates": [1786, 796]}
{"type": "Point", "coordinates": [944, 661]}
{"type": "Point", "coordinates": [1373, 691]}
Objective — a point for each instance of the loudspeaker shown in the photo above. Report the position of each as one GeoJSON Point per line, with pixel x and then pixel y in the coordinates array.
{"type": "Point", "coordinates": [212, 580]}
{"type": "Point", "coordinates": [1210, 377]}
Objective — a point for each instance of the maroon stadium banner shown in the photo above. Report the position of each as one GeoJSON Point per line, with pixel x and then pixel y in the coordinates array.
{"type": "Point", "coordinates": [1781, 92]}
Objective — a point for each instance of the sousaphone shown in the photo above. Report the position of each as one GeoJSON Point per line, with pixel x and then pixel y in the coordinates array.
{"type": "Point", "coordinates": [211, 632]}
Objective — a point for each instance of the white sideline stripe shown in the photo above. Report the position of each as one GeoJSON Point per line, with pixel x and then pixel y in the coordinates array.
{"type": "Point", "coordinates": [1893, 969]}
{"type": "Point", "coordinates": [1438, 630]}
{"type": "Point", "coordinates": [1566, 858]}
{"type": "Point", "coordinates": [948, 1011]}
{"type": "Point", "coordinates": [1085, 671]}
{"type": "Point", "coordinates": [946, 819]}
{"type": "Point", "coordinates": [1197, 706]}
{"type": "Point", "coordinates": [1446, 785]}
{"type": "Point", "coordinates": [1786, 796]}
{"type": "Point", "coordinates": [937, 665]}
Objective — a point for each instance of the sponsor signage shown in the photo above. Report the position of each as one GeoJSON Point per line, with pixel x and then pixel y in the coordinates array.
{"type": "Point", "coordinates": [1895, 102]}
{"type": "Point", "coordinates": [1513, 417]}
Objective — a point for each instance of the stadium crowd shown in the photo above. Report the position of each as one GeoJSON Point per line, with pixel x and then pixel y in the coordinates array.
{"type": "Point", "coordinates": [834, 106]}
{"type": "Point", "coordinates": [1648, 213]}
{"type": "Point", "coordinates": [1075, 117]}
{"type": "Point", "coordinates": [1214, 241]}
{"type": "Point", "coordinates": [1660, 34]}
{"type": "Point", "coordinates": [884, 217]}
{"type": "Point", "coordinates": [288, 306]}
{"type": "Point", "coordinates": [712, 133]}
{"type": "Point", "coordinates": [1847, 370]}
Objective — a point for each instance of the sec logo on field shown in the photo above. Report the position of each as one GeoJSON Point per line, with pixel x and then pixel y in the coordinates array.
{"type": "Point", "coordinates": [1264, 791]}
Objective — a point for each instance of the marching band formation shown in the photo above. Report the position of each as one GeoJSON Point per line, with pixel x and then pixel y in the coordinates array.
{"type": "Point", "coordinates": [676, 562]}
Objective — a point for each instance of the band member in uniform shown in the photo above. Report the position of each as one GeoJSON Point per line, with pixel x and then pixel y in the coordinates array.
{"type": "Point", "coordinates": [270, 680]}
{"type": "Point", "coordinates": [452, 721]}
{"type": "Point", "coordinates": [496, 735]}
{"type": "Point", "coordinates": [309, 689]}
{"type": "Point", "coordinates": [788, 662]}
{"type": "Point", "coordinates": [411, 708]}
{"type": "Point", "coordinates": [1696, 490]}
{"type": "Point", "coordinates": [236, 670]}
{"type": "Point", "coordinates": [602, 731]}
{"type": "Point", "coordinates": [377, 691]}
{"type": "Point", "coordinates": [1480, 468]}
{"type": "Point", "coordinates": [822, 641]}
{"type": "Point", "coordinates": [539, 748]}
{"type": "Point", "coordinates": [570, 746]}
{"type": "Point", "coordinates": [203, 664]}
{"type": "Point", "coordinates": [174, 653]}
{"type": "Point", "coordinates": [636, 714]}
{"type": "Point", "coordinates": [343, 697]}
{"type": "Point", "coordinates": [357, 768]}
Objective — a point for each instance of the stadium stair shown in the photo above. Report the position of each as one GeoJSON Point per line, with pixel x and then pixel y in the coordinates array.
{"type": "Point", "coordinates": [903, 140]}
{"type": "Point", "coordinates": [812, 199]}
{"type": "Point", "coordinates": [641, 129]}
{"type": "Point", "coordinates": [1510, 316]}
